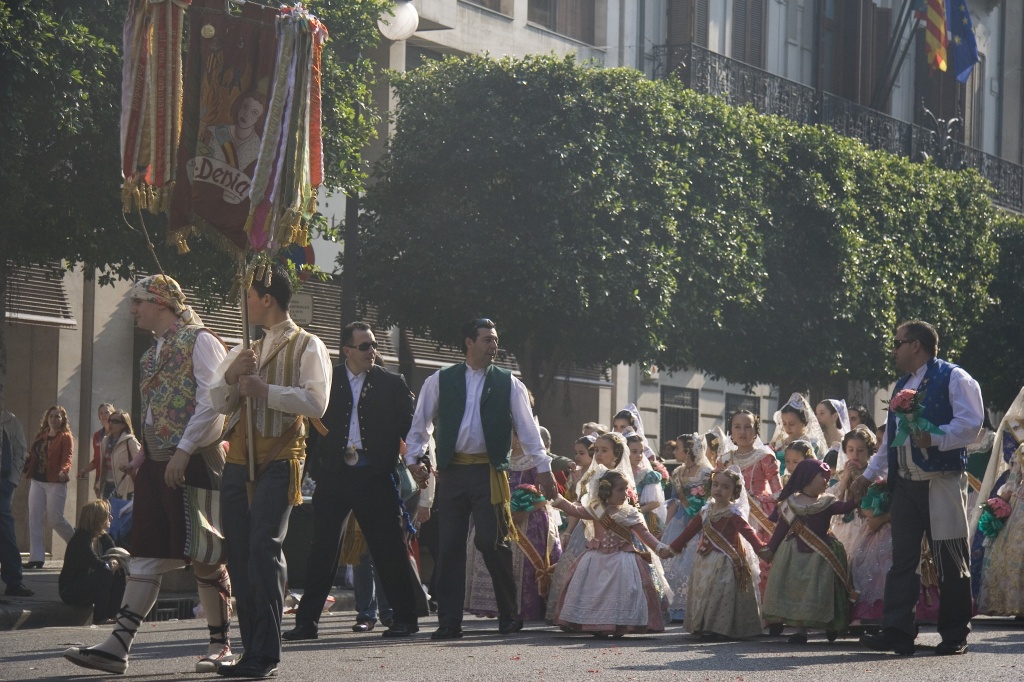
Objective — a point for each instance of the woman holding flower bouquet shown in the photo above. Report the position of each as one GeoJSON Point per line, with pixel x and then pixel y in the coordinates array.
{"type": "Point", "coordinates": [691, 483]}
{"type": "Point", "coordinates": [1002, 522]}
{"type": "Point", "coordinates": [935, 413]}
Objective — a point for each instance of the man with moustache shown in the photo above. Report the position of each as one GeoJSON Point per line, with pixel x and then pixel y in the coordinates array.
{"type": "Point", "coordinates": [476, 406]}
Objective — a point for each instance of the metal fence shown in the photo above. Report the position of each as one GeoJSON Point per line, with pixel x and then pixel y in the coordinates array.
{"type": "Point", "coordinates": [741, 84]}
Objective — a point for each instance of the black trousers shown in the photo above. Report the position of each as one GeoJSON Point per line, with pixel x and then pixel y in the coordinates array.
{"type": "Point", "coordinates": [910, 521]}
{"type": "Point", "coordinates": [371, 496]}
{"type": "Point", "coordinates": [254, 534]}
{"type": "Point", "coordinates": [101, 589]}
{"type": "Point", "coordinates": [464, 491]}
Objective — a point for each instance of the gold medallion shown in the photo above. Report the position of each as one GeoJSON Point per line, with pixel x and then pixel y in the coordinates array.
{"type": "Point", "coordinates": [209, 31]}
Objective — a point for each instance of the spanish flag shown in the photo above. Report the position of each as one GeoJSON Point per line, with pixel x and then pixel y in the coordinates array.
{"type": "Point", "coordinates": [935, 34]}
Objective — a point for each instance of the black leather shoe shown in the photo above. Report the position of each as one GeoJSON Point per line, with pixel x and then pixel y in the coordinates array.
{"type": "Point", "coordinates": [947, 648]}
{"type": "Point", "coordinates": [32, 564]}
{"type": "Point", "coordinates": [363, 625]}
{"type": "Point", "coordinates": [890, 639]}
{"type": "Point", "coordinates": [251, 668]}
{"type": "Point", "coordinates": [798, 638]}
{"type": "Point", "coordinates": [446, 632]}
{"type": "Point", "coordinates": [507, 626]}
{"type": "Point", "coordinates": [300, 632]}
{"type": "Point", "coordinates": [401, 630]}
{"type": "Point", "coordinates": [18, 590]}
{"type": "Point", "coordinates": [775, 629]}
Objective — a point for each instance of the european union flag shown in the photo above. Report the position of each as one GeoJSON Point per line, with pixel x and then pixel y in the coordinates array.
{"type": "Point", "coordinates": [962, 46]}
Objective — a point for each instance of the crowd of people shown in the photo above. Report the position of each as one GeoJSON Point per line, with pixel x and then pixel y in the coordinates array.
{"type": "Point", "coordinates": [833, 526]}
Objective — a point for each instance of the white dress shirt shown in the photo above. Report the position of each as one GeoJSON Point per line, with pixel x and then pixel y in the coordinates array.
{"type": "Point", "coordinates": [355, 382]}
{"type": "Point", "coordinates": [968, 418]}
{"type": "Point", "coordinates": [206, 424]}
{"type": "Point", "coordinates": [471, 430]}
{"type": "Point", "coordinates": [308, 399]}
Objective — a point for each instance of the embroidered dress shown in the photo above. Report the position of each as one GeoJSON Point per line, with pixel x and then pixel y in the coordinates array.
{"type": "Point", "coordinates": [610, 589]}
{"type": "Point", "coordinates": [541, 531]}
{"type": "Point", "coordinates": [648, 488]}
{"type": "Point", "coordinates": [804, 589]}
{"type": "Point", "coordinates": [679, 568]}
{"type": "Point", "coordinates": [761, 483]}
{"type": "Point", "coordinates": [722, 596]}
{"type": "Point", "coordinates": [1002, 582]}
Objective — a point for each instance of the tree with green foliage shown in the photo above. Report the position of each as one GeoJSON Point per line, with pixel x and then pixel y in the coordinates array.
{"type": "Point", "coordinates": [60, 80]}
{"type": "Point", "coordinates": [532, 191]}
{"type": "Point", "coordinates": [839, 242]}
{"type": "Point", "coordinates": [992, 354]}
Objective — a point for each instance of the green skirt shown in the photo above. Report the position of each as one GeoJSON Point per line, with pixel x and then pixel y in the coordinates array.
{"type": "Point", "coordinates": [804, 591]}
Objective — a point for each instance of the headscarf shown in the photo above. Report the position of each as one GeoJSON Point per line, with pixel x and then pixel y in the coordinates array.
{"type": "Point", "coordinates": [164, 290]}
{"type": "Point", "coordinates": [700, 457]}
{"type": "Point", "coordinates": [812, 429]}
{"type": "Point", "coordinates": [806, 471]}
{"type": "Point", "coordinates": [632, 409]}
{"type": "Point", "coordinates": [843, 412]}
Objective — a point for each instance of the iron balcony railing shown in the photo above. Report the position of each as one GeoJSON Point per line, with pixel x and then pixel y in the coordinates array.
{"type": "Point", "coordinates": [739, 84]}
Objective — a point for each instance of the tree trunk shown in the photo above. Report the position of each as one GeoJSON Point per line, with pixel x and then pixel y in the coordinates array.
{"type": "Point", "coordinates": [538, 367]}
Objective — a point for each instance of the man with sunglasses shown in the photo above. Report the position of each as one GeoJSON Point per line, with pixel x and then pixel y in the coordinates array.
{"type": "Point", "coordinates": [928, 478]}
{"type": "Point", "coordinates": [354, 466]}
{"type": "Point", "coordinates": [476, 406]}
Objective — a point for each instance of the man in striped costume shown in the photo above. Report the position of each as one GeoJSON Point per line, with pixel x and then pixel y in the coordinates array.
{"type": "Point", "coordinates": [287, 377]}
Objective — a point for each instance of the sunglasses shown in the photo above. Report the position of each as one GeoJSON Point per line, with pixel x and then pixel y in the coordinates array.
{"type": "Point", "coordinates": [896, 343]}
{"type": "Point", "coordinates": [365, 346]}
{"type": "Point", "coordinates": [116, 421]}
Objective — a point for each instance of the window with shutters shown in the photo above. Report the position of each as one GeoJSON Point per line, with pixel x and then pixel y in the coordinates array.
{"type": "Point", "coordinates": [748, 31]}
{"type": "Point", "coordinates": [738, 401]}
{"type": "Point", "coordinates": [572, 18]}
{"type": "Point", "coordinates": [500, 6]}
{"type": "Point", "coordinates": [679, 411]}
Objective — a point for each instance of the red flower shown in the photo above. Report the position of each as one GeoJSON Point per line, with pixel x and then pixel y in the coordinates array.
{"type": "Point", "coordinates": [905, 401]}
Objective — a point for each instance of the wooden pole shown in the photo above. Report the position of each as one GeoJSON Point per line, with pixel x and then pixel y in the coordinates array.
{"type": "Point", "coordinates": [250, 433]}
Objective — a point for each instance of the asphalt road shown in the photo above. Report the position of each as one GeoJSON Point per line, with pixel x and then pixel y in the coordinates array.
{"type": "Point", "coordinates": [166, 651]}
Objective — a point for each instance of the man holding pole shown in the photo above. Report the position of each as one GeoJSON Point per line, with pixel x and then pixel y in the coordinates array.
{"type": "Point", "coordinates": [286, 376]}
{"type": "Point", "coordinates": [181, 443]}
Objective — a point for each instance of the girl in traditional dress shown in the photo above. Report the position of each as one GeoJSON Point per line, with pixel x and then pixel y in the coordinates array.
{"type": "Point", "coordinates": [866, 535]}
{"type": "Point", "coordinates": [628, 419]}
{"type": "Point", "coordinates": [609, 455]}
{"type": "Point", "coordinates": [793, 454]}
{"type": "Point", "coordinates": [536, 551]}
{"type": "Point", "coordinates": [1002, 580]}
{"type": "Point", "coordinates": [809, 586]}
{"type": "Point", "coordinates": [717, 442]}
{"type": "Point", "coordinates": [796, 421]}
{"type": "Point", "coordinates": [834, 419]}
{"type": "Point", "coordinates": [722, 597]}
{"type": "Point", "coordinates": [610, 590]}
{"type": "Point", "coordinates": [583, 456]}
{"type": "Point", "coordinates": [691, 485]}
{"type": "Point", "coordinates": [760, 469]}
{"type": "Point", "coordinates": [648, 485]}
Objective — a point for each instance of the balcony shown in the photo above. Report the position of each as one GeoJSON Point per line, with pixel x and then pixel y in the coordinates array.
{"type": "Point", "coordinates": [740, 84]}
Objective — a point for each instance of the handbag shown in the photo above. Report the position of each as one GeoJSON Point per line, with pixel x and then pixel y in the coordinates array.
{"type": "Point", "coordinates": [204, 542]}
{"type": "Point", "coordinates": [407, 486]}
{"type": "Point", "coordinates": [121, 520]}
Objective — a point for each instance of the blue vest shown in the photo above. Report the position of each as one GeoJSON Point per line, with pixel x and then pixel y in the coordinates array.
{"type": "Point", "coordinates": [936, 408]}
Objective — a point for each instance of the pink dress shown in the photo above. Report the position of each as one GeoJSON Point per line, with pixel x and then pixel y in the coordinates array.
{"type": "Point", "coordinates": [610, 589]}
{"type": "Point", "coordinates": [762, 481]}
